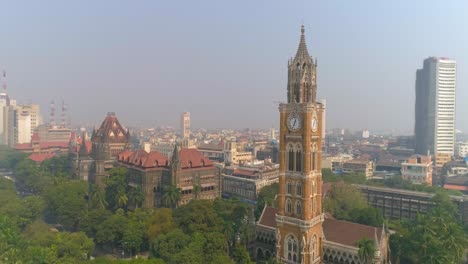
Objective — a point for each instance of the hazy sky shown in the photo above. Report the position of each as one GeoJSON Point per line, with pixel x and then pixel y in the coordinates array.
{"type": "Point", "coordinates": [226, 61]}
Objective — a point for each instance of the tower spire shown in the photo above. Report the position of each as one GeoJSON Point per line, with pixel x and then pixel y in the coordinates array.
{"type": "Point", "coordinates": [302, 53]}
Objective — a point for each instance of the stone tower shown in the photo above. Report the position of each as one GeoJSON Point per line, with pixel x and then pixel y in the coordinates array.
{"type": "Point", "coordinates": [107, 142]}
{"type": "Point", "coordinates": [299, 219]}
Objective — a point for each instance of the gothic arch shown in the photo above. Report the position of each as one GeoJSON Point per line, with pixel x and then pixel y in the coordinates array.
{"type": "Point", "coordinates": [288, 206]}
{"type": "Point", "coordinates": [291, 248]}
{"type": "Point", "coordinates": [298, 208]}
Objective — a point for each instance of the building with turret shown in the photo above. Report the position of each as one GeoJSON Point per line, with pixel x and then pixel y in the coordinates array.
{"type": "Point", "coordinates": [107, 142]}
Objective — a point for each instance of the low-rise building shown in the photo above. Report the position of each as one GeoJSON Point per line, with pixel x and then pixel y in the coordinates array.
{"type": "Point", "coordinates": [417, 169]}
{"type": "Point", "coordinates": [245, 182]}
{"type": "Point", "coordinates": [362, 165]}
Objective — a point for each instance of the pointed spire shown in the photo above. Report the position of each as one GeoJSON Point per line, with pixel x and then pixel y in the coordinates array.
{"type": "Point", "coordinates": [83, 150]}
{"type": "Point", "coordinates": [175, 157]}
{"type": "Point", "coordinates": [302, 53]}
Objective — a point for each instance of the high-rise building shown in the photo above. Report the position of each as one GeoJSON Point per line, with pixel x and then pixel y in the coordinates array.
{"type": "Point", "coordinates": [185, 125]}
{"type": "Point", "coordinates": [299, 219]}
{"type": "Point", "coordinates": [435, 107]}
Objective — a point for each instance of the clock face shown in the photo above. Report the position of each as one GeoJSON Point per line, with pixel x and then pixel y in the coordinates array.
{"type": "Point", "coordinates": [294, 122]}
{"type": "Point", "coordinates": [314, 124]}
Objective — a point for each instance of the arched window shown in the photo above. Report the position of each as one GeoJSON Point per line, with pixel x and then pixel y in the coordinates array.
{"type": "Point", "coordinates": [288, 206]}
{"type": "Point", "coordinates": [298, 208]}
{"type": "Point", "coordinates": [291, 250]}
{"type": "Point", "coordinates": [290, 158]}
{"type": "Point", "coordinates": [298, 157]}
{"type": "Point", "coordinates": [314, 247]}
{"type": "Point", "coordinates": [299, 189]}
{"type": "Point", "coordinates": [289, 188]}
{"type": "Point", "coordinates": [313, 157]}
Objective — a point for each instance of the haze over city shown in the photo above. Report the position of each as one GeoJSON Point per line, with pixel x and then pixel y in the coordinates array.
{"type": "Point", "coordinates": [226, 62]}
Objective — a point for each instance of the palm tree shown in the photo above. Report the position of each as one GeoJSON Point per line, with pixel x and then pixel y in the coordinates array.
{"type": "Point", "coordinates": [122, 199]}
{"type": "Point", "coordinates": [366, 250]}
{"type": "Point", "coordinates": [171, 196]}
{"type": "Point", "coordinates": [196, 190]}
{"type": "Point", "coordinates": [136, 197]}
{"type": "Point", "coordinates": [97, 198]}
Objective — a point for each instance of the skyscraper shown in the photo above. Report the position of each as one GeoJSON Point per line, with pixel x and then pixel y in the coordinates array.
{"type": "Point", "coordinates": [435, 107]}
{"type": "Point", "coordinates": [299, 219]}
{"type": "Point", "coordinates": [185, 125]}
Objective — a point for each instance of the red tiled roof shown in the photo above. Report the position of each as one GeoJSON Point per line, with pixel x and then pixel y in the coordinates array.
{"type": "Point", "coordinates": [455, 187]}
{"type": "Point", "coordinates": [154, 158]}
{"type": "Point", "coordinates": [44, 145]}
{"type": "Point", "coordinates": [342, 232]}
{"type": "Point", "coordinates": [40, 157]}
{"type": "Point", "coordinates": [244, 172]}
{"type": "Point", "coordinates": [143, 159]}
{"type": "Point", "coordinates": [268, 217]}
{"type": "Point", "coordinates": [23, 146]}
{"type": "Point", "coordinates": [348, 233]}
{"type": "Point", "coordinates": [193, 157]}
{"type": "Point", "coordinates": [111, 131]}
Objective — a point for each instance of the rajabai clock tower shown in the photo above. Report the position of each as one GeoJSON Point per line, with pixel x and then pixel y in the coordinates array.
{"type": "Point", "coordinates": [299, 219]}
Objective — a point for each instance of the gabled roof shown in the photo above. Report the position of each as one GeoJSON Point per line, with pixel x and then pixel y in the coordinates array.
{"type": "Point", "coordinates": [143, 159]}
{"type": "Point", "coordinates": [40, 157]}
{"type": "Point", "coordinates": [190, 158]}
{"type": "Point", "coordinates": [337, 231]}
{"type": "Point", "coordinates": [348, 233]}
{"type": "Point", "coordinates": [111, 131]}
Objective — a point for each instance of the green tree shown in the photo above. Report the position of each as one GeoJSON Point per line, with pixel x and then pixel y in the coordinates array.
{"type": "Point", "coordinates": [342, 200]}
{"type": "Point", "coordinates": [66, 203]}
{"type": "Point", "coordinates": [96, 197]}
{"type": "Point", "coordinates": [116, 188]}
{"type": "Point", "coordinates": [136, 197]}
{"type": "Point", "coordinates": [160, 222]}
{"type": "Point", "coordinates": [366, 250]}
{"type": "Point", "coordinates": [171, 196]}
{"type": "Point", "coordinates": [167, 245]}
{"type": "Point", "coordinates": [367, 216]}
{"type": "Point", "coordinates": [196, 190]}
{"type": "Point", "coordinates": [267, 196]}
{"type": "Point", "coordinates": [241, 255]}
{"type": "Point", "coordinates": [198, 216]}
{"type": "Point", "coordinates": [74, 245]}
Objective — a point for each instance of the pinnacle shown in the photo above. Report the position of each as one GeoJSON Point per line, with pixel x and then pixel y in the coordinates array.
{"type": "Point", "coordinates": [302, 54]}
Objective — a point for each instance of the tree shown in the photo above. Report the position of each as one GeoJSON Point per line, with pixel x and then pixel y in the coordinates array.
{"type": "Point", "coordinates": [166, 246]}
{"type": "Point", "coordinates": [97, 198]}
{"type": "Point", "coordinates": [198, 216]}
{"type": "Point", "coordinates": [267, 196]}
{"type": "Point", "coordinates": [367, 216]}
{"type": "Point", "coordinates": [160, 222]}
{"type": "Point", "coordinates": [116, 188]}
{"type": "Point", "coordinates": [342, 200]}
{"type": "Point", "coordinates": [366, 250]}
{"type": "Point", "coordinates": [241, 255]}
{"type": "Point", "coordinates": [74, 245]}
{"type": "Point", "coordinates": [66, 203]}
{"type": "Point", "coordinates": [136, 197]}
{"type": "Point", "coordinates": [196, 190]}
{"type": "Point", "coordinates": [437, 237]}
{"type": "Point", "coordinates": [171, 196]}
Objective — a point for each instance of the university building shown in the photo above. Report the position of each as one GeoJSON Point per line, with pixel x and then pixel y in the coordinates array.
{"type": "Point", "coordinates": [187, 169]}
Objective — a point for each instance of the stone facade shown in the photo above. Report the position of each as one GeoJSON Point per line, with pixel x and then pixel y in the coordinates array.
{"type": "Point", "coordinates": [188, 169]}
{"type": "Point", "coordinates": [106, 143]}
{"type": "Point", "coordinates": [245, 182]}
{"type": "Point", "coordinates": [299, 219]}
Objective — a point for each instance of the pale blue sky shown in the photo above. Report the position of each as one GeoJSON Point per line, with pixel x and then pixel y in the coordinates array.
{"type": "Point", "coordinates": [226, 61]}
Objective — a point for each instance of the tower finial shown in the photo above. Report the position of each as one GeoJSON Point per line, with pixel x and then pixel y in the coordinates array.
{"type": "Point", "coordinates": [302, 29]}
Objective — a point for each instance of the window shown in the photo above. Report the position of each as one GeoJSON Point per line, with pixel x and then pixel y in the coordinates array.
{"type": "Point", "coordinates": [299, 160]}
{"type": "Point", "coordinates": [288, 206]}
{"type": "Point", "coordinates": [289, 189]}
{"type": "Point", "coordinates": [291, 251]}
{"type": "Point", "coordinates": [299, 189]}
{"type": "Point", "coordinates": [298, 208]}
{"type": "Point", "coordinates": [291, 160]}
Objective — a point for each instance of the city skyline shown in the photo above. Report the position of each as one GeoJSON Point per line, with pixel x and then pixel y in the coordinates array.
{"type": "Point", "coordinates": [149, 67]}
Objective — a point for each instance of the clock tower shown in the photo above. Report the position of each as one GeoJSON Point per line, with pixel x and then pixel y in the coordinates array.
{"type": "Point", "coordinates": [299, 219]}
